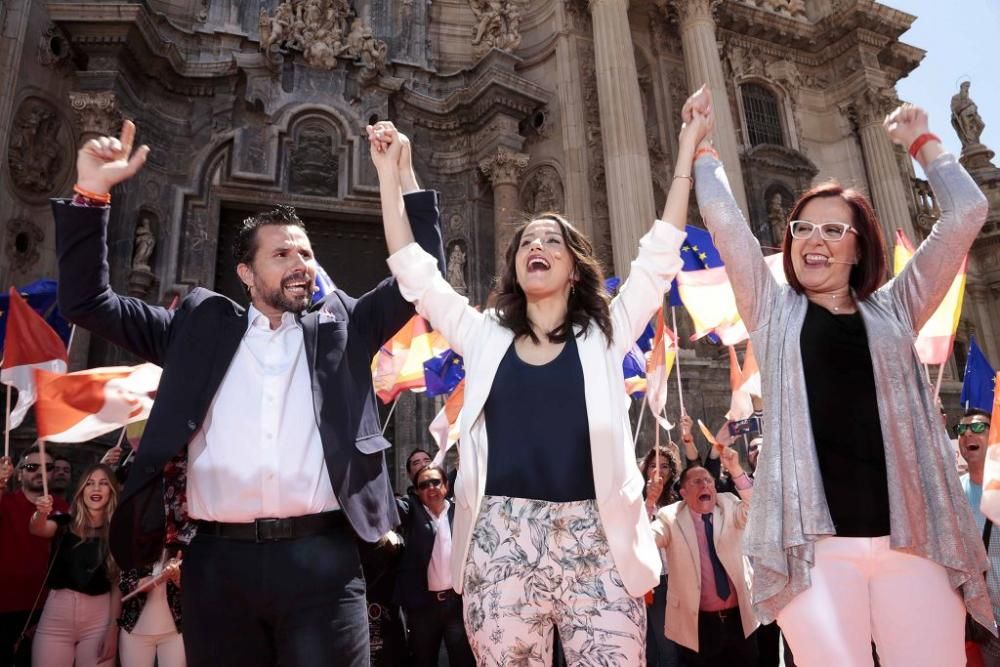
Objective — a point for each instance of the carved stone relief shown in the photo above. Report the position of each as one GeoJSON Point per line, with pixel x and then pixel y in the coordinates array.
{"type": "Point", "coordinates": [458, 260]}
{"type": "Point", "coordinates": [313, 164]}
{"type": "Point", "coordinates": [542, 191]}
{"type": "Point", "coordinates": [324, 31]}
{"type": "Point", "coordinates": [37, 154]}
{"type": "Point", "coordinates": [23, 240]}
{"type": "Point", "coordinates": [601, 223]}
{"type": "Point", "coordinates": [53, 47]}
{"type": "Point", "coordinates": [95, 113]}
{"type": "Point", "coordinates": [498, 25]}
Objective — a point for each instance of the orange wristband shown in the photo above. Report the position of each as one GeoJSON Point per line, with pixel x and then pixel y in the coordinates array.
{"type": "Point", "coordinates": [919, 142]}
{"type": "Point", "coordinates": [93, 196]}
{"type": "Point", "coordinates": [706, 150]}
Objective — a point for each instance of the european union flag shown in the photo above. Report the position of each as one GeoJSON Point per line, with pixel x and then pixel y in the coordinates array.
{"type": "Point", "coordinates": [324, 285]}
{"type": "Point", "coordinates": [443, 373]}
{"type": "Point", "coordinates": [697, 253]}
{"type": "Point", "coordinates": [41, 296]}
{"type": "Point", "coordinates": [980, 380]}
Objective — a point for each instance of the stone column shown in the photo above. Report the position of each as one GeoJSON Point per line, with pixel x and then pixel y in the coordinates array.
{"type": "Point", "coordinates": [704, 66]}
{"type": "Point", "coordinates": [626, 155]}
{"type": "Point", "coordinates": [504, 168]}
{"type": "Point", "coordinates": [885, 182]}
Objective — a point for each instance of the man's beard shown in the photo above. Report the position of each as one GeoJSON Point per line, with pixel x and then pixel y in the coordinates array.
{"type": "Point", "coordinates": [278, 300]}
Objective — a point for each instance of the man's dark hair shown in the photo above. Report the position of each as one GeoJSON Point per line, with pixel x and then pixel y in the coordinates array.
{"type": "Point", "coordinates": [34, 449]}
{"type": "Point", "coordinates": [684, 474]}
{"type": "Point", "coordinates": [431, 467]}
{"type": "Point", "coordinates": [245, 245]}
{"type": "Point", "coordinates": [974, 412]}
{"type": "Point", "coordinates": [57, 459]}
{"type": "Point", "coordinates": [416, 451]}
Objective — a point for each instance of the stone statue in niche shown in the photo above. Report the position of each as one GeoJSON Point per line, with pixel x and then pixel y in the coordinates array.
{"type": "Point", "coordinates": [34, 154]}
{"type": "Point", "coordinates": [145, 241]}
{"type": "Point", "coordinates": [498, 25]}
{"type": "Point", "coordinates": [543, 192]}
{"type": "Point", "coordinates": [457, 258]}
{"type": "Point", "coordinates": [777, 218]}
{"type": "Point", "coordinates": [965, 117]}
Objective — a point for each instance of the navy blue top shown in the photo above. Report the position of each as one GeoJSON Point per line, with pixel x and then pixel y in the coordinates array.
{"type": "Point", "coordinates": [539, 436]}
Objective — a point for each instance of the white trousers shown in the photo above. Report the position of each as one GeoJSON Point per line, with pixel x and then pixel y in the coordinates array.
{"type": "Point", "coordinates": [146, 650]}
{"type": "Point", "coordinates": [863, 590]}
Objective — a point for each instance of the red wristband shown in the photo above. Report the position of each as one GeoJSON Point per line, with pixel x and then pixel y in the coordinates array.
{"type": "Point", "coordinates": [96, 197]}
{"type": "Point", "coordinates": [919, 142]}
{"type": "Point", "coordinates": [706, 150]}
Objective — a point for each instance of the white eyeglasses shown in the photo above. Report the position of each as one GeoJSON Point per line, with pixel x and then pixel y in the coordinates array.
{"type": "Point", "coordinates": [828, 231]}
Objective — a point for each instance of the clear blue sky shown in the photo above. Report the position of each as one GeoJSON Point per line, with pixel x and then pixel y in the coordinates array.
{"type": "Point", "coordinates": [962, 41]}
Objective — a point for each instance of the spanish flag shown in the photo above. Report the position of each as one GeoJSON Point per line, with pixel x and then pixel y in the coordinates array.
{"type": "Point", "coordinates": [445, 426]}
{"type": "Point", "coordinates": [661, 361]}
{"type": "Point", "coordinates": [75, 407]}
{"type": "Point", "coordinates": [936, 337]}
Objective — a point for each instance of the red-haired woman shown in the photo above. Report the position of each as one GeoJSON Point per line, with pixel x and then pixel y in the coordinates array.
{"type": "Point", "coordinates": [78, 625]}
{"type": "Point", "coordinates": [550, 529]}
{"type": "Point", "coordinates": [859, 529]}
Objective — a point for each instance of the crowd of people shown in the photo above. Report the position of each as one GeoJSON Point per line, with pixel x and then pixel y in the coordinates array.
{"type": "Point", "coordinates": [259, 507]}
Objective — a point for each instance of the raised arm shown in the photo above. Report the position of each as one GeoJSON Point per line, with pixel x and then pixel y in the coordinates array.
{"type": "Point", "coordinates": [416, 272]}
{"type": "Point", "coordinates": [659, 260]}
{"type": "Point", "coordinates": [923, 283]}
{"type": "Point", "coordinates": [737, 245]}
{"type": "Point", "coordinates": [40, 525]}
{"type": "Point", "coordinates": [85, 295]}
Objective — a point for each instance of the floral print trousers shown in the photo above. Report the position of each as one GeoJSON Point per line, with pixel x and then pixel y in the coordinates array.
{"type": "Point", "coordinates": [534, 566]}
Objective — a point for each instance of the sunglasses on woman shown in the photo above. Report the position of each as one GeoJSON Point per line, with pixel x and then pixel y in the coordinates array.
{"type": "Point", "coordinates": [428, 483]}
{"type": "Point", "coordinates": [975, 427]}
{"type": "Point", "coordinates": [828, 231]}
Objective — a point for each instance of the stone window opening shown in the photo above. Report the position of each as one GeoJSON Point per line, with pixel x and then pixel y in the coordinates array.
{"type": "Point", "coordinates": [762, 115]}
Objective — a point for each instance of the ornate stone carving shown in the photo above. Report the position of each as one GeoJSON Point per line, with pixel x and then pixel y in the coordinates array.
{"type": "Point", "coordinates": [777, 217]}
{"type": "Point", "coordinates": [53, 47]}
{"type": "Point", "coordinates": [145, 241]}
{"type": "Point", "coordinates": [498, 25]}
{"type": "Point", "coordinates": [969, 127]}
{"type": "Point", "coordinates": [870, 107]}
{"type": "Point", "coordinates": [23, 240]}
{"type": "Point", "coordinates": [692, 10]}
{"type": "Point", "coordinates": [794, 8]}
{"type": "Point", "coordinates": [36, 153]}
{"type": "Point", "coordinates": [543, 191]}
{"type": "Point", "coordinates": [95, 113]}
{"type": "Point", "coordinates": [457, 261]}
{"type": "Point", "coordinates": [504, 167]}
{"type": "Point", "coordinates": [313, 164]}
{"type": "Point", "coordinates": [323, 30]}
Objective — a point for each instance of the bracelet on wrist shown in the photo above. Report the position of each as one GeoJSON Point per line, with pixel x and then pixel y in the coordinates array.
{"type": "Point", "coordinates": [919, 142]}
{"type": "Point", "coordinates": [98, 198]}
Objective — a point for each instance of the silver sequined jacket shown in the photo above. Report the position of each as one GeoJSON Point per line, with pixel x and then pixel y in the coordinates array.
{"type": "Point", "coordinates": [929, 515]}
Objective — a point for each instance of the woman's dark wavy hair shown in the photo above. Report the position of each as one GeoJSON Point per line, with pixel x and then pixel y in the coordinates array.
{"type": "Point", "coordinates": [671, 455]}
{"type": "Point", "coordinates": [588, 301]}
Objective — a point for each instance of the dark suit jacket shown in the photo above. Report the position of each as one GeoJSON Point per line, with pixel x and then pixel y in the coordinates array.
{"type": "Point", "coordinates": [196, 343]}
{"type": "Point", "coordinates": [419, 533]}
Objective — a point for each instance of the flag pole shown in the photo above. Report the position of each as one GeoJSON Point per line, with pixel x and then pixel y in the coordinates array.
{"type": "Point", "coordinates": [937, 384]}
{"type": "Point", "coordinates": [388, 417]}
{"type": "Point", "coordinates": [638, 424]}
{"type": "Point", "coordinates": [677, 359]}
{"type": "Point", "coordinates": [41, 459]}
{"type": "Point", "coordinates": [69, 343]}
{"type": "Point", "coordinates": [6, 427]}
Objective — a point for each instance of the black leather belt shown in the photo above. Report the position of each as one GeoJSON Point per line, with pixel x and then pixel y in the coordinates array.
{"type": "Point", "coordinates": [444, 596]}
{"type": "Point", "coordinates": [722, 614]}
{"type": "Point", "coordinates": [272, 530]}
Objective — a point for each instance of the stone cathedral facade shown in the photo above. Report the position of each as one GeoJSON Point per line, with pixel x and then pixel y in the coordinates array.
{"type": "Point", "coordinates": [514, 106]}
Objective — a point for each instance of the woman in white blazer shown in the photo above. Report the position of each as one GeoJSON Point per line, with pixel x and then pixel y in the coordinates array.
{"type": "Point", "coordinates": [550, 530]}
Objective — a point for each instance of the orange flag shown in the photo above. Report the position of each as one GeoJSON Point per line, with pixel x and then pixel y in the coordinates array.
{"type": "Point", "coordinates": [30, 344]}
{"type": "Point", "coordinates": [75, 407]}
{"type": "Point", "coordinates": [445, 426]}
{"type": "Point", "coordinates": [661, 360]}
{"type": "Point", "coordinates": [936, 337]}
{"type": "Point", "coordinates": [740, 405]}
{"type": "Point", "coordinates": [990, 504]}
{"type": "Point", "coordinates": [399, 364]}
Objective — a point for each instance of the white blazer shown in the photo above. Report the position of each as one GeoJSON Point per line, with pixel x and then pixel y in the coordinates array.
{"type": "Point", "coordinates": [483, 341]}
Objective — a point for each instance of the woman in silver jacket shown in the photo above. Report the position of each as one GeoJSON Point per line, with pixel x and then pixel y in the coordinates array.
{"type": "Point", "coordinates": [859, 530]}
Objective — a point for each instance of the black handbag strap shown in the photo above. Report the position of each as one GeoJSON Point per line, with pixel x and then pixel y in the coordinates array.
{"type": "Point", "coordinates": [987, 531]}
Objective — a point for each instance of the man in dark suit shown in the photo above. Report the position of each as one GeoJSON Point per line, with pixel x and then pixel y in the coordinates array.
{"type": "Point", "coordinates": [265, 423]}
{"type": "Point", "coordinates": [423, 577]}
